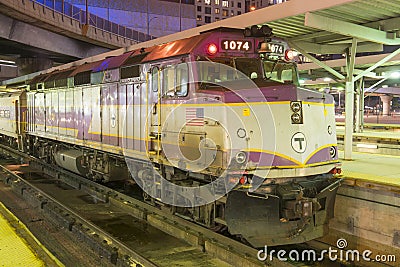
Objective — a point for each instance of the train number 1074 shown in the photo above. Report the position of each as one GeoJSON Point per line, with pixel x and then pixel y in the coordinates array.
{"type": "Point", "coordinates": [238, 45]}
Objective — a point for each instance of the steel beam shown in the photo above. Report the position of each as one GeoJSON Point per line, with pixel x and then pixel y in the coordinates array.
{"type": "Point", "coordinates": [349, 29]}
{"type": "Point", "coordinates": [337, 48]}
{"type": "Point", "coordinates": [378, 64]}
{"type": "Point", "coordinates": [316, 61]}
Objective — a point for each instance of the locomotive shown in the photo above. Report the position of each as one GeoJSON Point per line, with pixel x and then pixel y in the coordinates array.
{"type": "Point", "coordinates": [213, 127]}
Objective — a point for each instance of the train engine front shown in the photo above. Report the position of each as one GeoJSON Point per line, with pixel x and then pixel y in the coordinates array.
{"type": "Point", "coordinates": [274, 140]}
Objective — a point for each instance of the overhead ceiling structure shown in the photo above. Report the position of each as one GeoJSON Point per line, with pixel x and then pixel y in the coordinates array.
{"type": "Point", "coordinates": [320, 27]}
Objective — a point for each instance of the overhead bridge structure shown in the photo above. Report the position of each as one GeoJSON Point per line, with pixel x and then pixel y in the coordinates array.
{"type": "Point", "coordinates": [37, 33]}
{"type": "Point", "coordinates": [319, 27]}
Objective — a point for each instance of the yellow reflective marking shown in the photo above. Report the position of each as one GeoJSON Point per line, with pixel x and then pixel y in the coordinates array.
{"type": "Point", "coordinates": [246, 112]}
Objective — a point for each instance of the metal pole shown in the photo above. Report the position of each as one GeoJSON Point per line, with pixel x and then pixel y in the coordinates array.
{"type": "Point", "coordinates": [180, 15]}
{"type": "Point", "coordinates": [362, 104]}
{"type": "Point", "coordinates": [349, 101]}
{"type": "Point", "coordinates": [108, 10]}
{"type": "Point", "coordinates": [148, 21]}
{"type": "Point", "coordinates": [87, 12]}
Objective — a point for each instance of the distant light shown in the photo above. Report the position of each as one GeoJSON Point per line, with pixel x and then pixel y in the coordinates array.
{"type": "Point", "coordinates": [395, 75]}
{"type": "Point", "coordinates": [367, 146]}
{"type": "Point", "coordinates": [327, 79]}
{"type": "Point", "coordinates": [7, 61]}
{"type": "Point", "coordinates": [385, 86]}
{"type": "Point", "coordinates": [252, 8]}
{"type": "Point", "coordinates": [6, 65]}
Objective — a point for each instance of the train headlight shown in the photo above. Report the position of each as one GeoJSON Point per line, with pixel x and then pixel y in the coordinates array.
{"type": "Point", "coordinates": [296, 118]}
{"type": "Point", "coordinates": [290, 55]}
{"type": "Point", "coordinates": [297, 109]}
{"type": "Point", "coordinates": [295, 106]}
{"type": "Point", "coordinates": [241, 157]}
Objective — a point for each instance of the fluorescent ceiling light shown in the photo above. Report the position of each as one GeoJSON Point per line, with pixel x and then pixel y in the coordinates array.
{"type": "Point", "coordinates": [7, 61]}
{"type": "Point", "coordinates": [367, 146]}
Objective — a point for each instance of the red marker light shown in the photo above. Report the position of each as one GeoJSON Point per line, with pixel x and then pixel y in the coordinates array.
{"type": "Point", "coordinates": [212, 49]}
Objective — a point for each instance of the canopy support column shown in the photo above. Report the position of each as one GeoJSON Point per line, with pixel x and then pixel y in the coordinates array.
{"type": "Point", "coordinates": [349, 105]}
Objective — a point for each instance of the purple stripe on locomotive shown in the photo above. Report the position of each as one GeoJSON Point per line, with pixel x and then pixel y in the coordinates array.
{"type": "Point", "coordinates": [322, 156]}
{"type": "Point", "coordinates": [264, 159]}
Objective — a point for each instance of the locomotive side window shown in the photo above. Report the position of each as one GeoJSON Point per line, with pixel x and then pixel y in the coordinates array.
{"type": "Point", "coordinates": [129, 72]}
{"type": "Point", "coordinates": [97, 77]}
{"type": "Point", "coordinates": [82, 78]}
{"type": "Point", "coordinates": [168, 75]}
{"type": "Point", "coordinates": [154, 79]}
{"type": "Point", "coordinates": [175, 80]}
{"type": "Point", "coordinates": [182, 78]}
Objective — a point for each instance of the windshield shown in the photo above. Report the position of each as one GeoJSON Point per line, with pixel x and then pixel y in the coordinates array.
{"type": "Point", "coordinates": [251, 67]}
{"type": "Point", "coordinates": [280, 71]}
{"type": "Point", "coordinates": [231, 69]}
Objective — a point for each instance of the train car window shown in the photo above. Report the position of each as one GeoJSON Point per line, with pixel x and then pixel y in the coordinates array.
{"type": "Point", "coordinates": [49, 84]}
{"type": "Point", "coordinates": [82, 78]}
{"type": "Point", "coordinates": [129, 72]}
{"type": "Point", "coordinates": [97, 77]}
{"type": "Point", "coordinates": [70, 82]}
{"type": "Point", "coordinates": [61, 83]}
{"type": "Point", "coordinates": [154, 79]}
{"type": "Point", "coordinates": [182, 78]}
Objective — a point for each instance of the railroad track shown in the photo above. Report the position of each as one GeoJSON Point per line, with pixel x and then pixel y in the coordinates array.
{"type": "Point", "coordinates": [211, 246]}
{"type": "Point", "coordinates": [198, 243]}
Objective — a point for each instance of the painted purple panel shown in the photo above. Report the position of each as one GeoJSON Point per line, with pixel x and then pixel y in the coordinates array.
{"type": "Point", "coordinates": [321, 156]}
{"type": "Point", "coordinates": [268, 160]}
{"type": "Point", "coordinates": [122, 114]}
{"type": "Point", "coordinates": [114, 114]}
{"type": "Point", "coordinates": [104, 105]}
{"type": "Point", "coordinates": [129, 119]}
{"type": "Point", "coordinates": [78, 109]}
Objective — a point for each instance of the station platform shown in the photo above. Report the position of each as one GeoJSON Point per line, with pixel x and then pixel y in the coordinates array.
{"type": "Point", "coordinates": [18, 247]}
{"type": "Point", "coordinates": [383, 133]}
{"type": "Point", "coordinates": [376, 168]}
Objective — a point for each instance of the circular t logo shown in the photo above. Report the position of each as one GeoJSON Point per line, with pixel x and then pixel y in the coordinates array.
{"type": "Point", "coordinates": [299, 142]}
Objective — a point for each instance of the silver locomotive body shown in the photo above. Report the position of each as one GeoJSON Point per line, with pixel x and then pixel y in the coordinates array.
{"type": "Point", "coordinates": [193, 111]}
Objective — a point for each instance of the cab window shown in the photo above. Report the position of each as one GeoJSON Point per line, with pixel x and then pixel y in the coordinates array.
{"type": "Point", "coordinates": [182, 77]}
{"type": "Point", "coordinates": [175, 80]}
{"type": "Point", "coordinates": [154, 79]}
